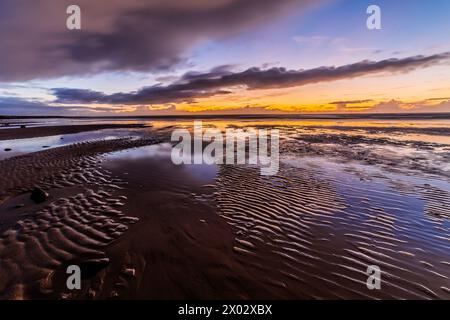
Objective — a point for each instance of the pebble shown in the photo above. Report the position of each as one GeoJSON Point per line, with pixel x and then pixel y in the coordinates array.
{"type": "Point", "coordinates": [38, 195]}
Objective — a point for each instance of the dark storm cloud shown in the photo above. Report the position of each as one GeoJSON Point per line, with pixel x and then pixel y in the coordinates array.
{"type": "Point", "coordinates": [147, 95]}
{"type": "Point", "coordinates": [214, 73]}
{"type": "Point", "coordinates": [117, 35]}
{"type": "Point", "coordinates": [20, 106]}
{"type": "Point", "coordinates": [219, 80]}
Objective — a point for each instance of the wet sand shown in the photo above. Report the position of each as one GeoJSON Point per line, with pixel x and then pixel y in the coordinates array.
{"type": "Point", "coordinates": [44, 131]}
{"type": "Point", "coordinates": [143, 228]}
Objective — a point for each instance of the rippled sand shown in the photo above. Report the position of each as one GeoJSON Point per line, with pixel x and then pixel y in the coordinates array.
{"type": "Point", "coordinates": [78, 221]}
{"type": "Point", "coordinates": [341, 201]}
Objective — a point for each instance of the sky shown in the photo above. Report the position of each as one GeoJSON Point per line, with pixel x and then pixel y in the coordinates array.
{"type": "Point", "coordinates": [172, 57]}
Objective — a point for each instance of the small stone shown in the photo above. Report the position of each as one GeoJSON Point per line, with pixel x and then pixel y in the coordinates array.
{"type": "Point", "coordinates": [7, 149]}
{"type": "Point", "coordinates": [23, 126]}
{"type": "Point", "coordinates": [45, 146]}
{"type": "Point", "coordinates": [38, 195]}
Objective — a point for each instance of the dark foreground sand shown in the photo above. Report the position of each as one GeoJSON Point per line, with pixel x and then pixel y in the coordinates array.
{"type": "Point", "coordinates": [22, 133]}
{"type": "Point", "coordinates": [141, 227]}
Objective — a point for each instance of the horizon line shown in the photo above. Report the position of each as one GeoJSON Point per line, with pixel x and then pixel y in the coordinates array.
{"type": "Point", "coordinates": [416, 115]}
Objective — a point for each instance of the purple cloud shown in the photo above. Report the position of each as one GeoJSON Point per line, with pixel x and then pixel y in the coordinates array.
{"type": "Point", "coordinates": [133, 35]}
{"type": "Point", "coordinates": [219, 81]}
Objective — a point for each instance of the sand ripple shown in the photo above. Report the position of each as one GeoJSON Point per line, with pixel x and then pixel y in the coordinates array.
{"type": "Point", "coordinates": [81, 217]}
{"type": "Point", "coordinates": [313, 233]}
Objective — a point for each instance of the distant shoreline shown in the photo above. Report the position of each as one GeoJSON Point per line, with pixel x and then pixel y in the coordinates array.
{"type": "Point", "coordinates": [379, 116]}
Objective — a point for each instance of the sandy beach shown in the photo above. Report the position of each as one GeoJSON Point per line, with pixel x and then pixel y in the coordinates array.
{"type": "Point", "coordinates": [141, 227]}
{"type": "Point", "coordinates": [32, 132]}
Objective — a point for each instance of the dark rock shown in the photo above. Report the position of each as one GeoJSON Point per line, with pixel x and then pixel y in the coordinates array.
{"type": "Point", "coordinates": [23, 126]}
{"type": "Point", "coordinates": [38, 195]}
{"type": "Point", "coordinates": [7, 149]}
{"type": "Point", "coordinates": [45, 146]}
{"type": "Point", "coordinates": [90, 268]}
